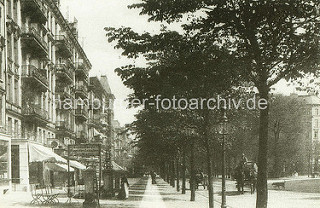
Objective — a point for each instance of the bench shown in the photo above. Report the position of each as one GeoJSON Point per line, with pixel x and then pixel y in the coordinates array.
{"type": "Point", "coordinates": [315, 174]}
{"type": "Point", "coordinates": [279, 185]}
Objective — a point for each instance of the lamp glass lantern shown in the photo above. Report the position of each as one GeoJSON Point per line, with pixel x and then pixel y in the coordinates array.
{"type": "Point", "coordinates": [223, 125]}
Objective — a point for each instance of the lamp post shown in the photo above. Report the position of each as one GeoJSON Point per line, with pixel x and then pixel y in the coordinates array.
{"type": "Point", "coordinates": [190, 132]}
{"type": "Point", "coordinates": [223, 130]}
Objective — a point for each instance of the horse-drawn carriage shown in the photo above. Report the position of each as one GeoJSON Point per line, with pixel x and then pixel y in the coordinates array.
{"type": "Point", "coordinates": [246, 175]}
{"type": "Point", "coordinates": [201, 180]}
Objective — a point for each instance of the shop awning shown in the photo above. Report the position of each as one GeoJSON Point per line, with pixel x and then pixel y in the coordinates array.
{"type": "Point", "coordinates": [116, 167]}
{"type": "Point", "coordinates": [39, 153]}
{"type": "Point", "coordinates": [76, 164]}
{"type": "Point", "coordinates": [59, 167]}
{"type": "Point", "coordinates": [96, 132]}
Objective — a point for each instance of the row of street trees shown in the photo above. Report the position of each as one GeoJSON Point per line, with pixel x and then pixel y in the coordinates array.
{"type": "Point", "coordinates": [224, 44]}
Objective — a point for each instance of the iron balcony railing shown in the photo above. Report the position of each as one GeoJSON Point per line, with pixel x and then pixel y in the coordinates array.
{"type": "Point", "coordinates": [80, 66]}
{"type": "Point", "coordinates": [35, 109]}
{"type": "Point", "coordinates": [39, 4]}
{"type": "Point", "coordinates": [32, 71]}
{"type": "Point", "coordinates": [80, 88]}
{"type": "Point", "coordinates": [32, 31]}
{"type": "Point", "coordinates": [63, 68]}
{"type": "Point", "coordinates": [65, 42]}
{"type": "Point", "coordinates": [81, 112]}
{"type": "Point", "coordinates": [63, 124]}
{"type": "Point", "coordinates": [63, 91]}
{"type": "Point", "coordinates": [81, 134]}
{"type": "Point", "coordinates": [31, 135]}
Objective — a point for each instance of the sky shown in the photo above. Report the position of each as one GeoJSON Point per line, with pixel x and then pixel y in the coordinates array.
{"type": "Point", "coordinates": [93, 16]}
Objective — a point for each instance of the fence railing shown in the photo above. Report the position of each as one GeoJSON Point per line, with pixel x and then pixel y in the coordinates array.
{"type": "Point", "coordinates": [36, 34]}
{"type": "Point", "coordinates": [35, 109]}
{"type": "Point", "coordinates": [32, 71]}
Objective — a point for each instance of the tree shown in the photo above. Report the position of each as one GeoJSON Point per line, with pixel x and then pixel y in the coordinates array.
{"type": "Point", "coordinates": [287, 131]}
{"type": "Point", "coordinates": [179, 65]}
{"type": "Point", "coordinates": [273, 40]}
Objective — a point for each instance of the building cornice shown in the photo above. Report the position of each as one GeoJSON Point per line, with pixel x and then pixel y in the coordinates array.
{"type": "Point", "coordinates": [67, 28]}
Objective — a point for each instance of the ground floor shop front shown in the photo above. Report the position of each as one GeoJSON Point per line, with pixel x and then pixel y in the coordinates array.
{"type": "Point", "coordinates": [33, 163]}
{"type": "Point", "coordinates": [5, 164]}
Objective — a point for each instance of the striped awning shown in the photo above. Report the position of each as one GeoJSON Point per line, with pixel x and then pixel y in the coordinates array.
{"type": "Point", "coordinates": [39, 153]}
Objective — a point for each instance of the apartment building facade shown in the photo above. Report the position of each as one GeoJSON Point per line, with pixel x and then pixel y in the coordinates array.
{"type": "Point", "coordinates": [100, 114]}
{"type": "Point", "coordinates": [43, 67]}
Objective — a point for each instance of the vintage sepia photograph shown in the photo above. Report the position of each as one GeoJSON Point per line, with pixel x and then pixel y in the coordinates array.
{"type": "Point", "coordinates": [160, 103]}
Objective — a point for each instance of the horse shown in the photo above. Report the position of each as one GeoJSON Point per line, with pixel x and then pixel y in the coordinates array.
{"type": "Point", "coordinates": [246, 174]}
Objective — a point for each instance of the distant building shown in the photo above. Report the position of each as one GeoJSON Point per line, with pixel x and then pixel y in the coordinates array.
{"type": "Point", "coordinates": [312, 126]}
{"type": "Point", "coordinates": [124, 148]}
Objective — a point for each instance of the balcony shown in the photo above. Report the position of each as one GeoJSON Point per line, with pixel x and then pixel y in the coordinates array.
{"type": "Point", "coordinates": [13, 108]}
{"type": "Point", "coordinates": [33, 42]}
{"type": "Point", "coordinates": [35, 113]}
{"type": "Point", "coordinates": [12, 25]}
{"type": "Point", "coordinates": [82, 136]}
{"type": "Point", "coordinates": [35, 9]}
{"type": "Point", "coordinates": [2, 42]}
{"type": "Point", "coordinates": [81, 70]}
{"type": "Point", "coordinates": [64, 46]}
{"type": "Point", "coordinates": [64, 73]}
{"type": "Point", "coordinates": [63, 93]}
{"type": "Point", "coordinates": [64, 128]}
{"type": "Point", "coordinates": [34, 77]}
{"type": "Point", "coordinates": [81, 114]}
{"type": "Point", "coordinates": [31, 135]}
{"type": "Point", "coordinates": [81, 91]}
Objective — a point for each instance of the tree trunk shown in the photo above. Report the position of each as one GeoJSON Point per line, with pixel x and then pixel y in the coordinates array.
{"type": "Point", "coordinates": [277, 162]}
{"type": "Point", "coordinates": [168, 172]}
{"type": "Point", "coordinates": [210, 176]}
{"type": "Point", "coordinates": [209, 158]}
{"type": "Point", "coordinates": [192, 170]}
{"type": "Point", "coordinates": [172, 175]}
{"type": "Point", "coordinates": [184, 172]}
{"type": "Point", "coordinates": [178, 172]}
{"type": "Point", "coordinates": [262, 189]}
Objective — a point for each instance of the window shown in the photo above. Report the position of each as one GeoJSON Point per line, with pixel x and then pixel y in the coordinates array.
{"type": "Point", "coordinates": [9, 125]}
{"type": "Point", "coordinates": [9, 90]}
{"type": "Point", "coordinates": [9, 46]}
{"type": "Point", "coordinates": [15, 11]}
{"type": "Point", "coordinates": [44, 137]}
{"type": "Point", "coordinates": [4, 160]}
{"type": "Point", "coordinates": [16, 54]}
{"type": "Point", "coordinates": [39, 136]}
{"type": "Point", "coordinates": [15, 163]}
{"type": "Point", "coordinates": [1, 66]}
{"type": "Point", "coordinates": [1, 109]}
{"type": "Point", "coordinates": [16, 91]}
{"type": "Point", "coordinates": [8, 8]}
{"type": "Point", "coordinates": [16, 128]}
{"type": "Point", "coordinates": [315, 134]}
{"type": "Point", "coordinates": [46, 142]}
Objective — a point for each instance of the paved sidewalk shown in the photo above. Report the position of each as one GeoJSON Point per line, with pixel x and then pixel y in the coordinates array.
{"type": "Point", "coordinates": [277, 198]}
{"type": "Point", "coordinates": [143, 194]}
{"type": "Point", "coordinates": [23, 199]}
{"type": "Point", "coordinates": [152, 197]}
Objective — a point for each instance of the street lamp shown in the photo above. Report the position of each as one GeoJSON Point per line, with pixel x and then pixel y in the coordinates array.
{"type": "Point", "coordinates": [190, 132]}
{"type": "Point", "coordinates": [223, 130]}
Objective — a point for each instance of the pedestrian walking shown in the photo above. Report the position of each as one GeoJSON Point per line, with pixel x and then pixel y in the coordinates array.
{"type": "Point", "coordinates": [124, 190]}
{"type": "Point", "coordinates": [153, 177]}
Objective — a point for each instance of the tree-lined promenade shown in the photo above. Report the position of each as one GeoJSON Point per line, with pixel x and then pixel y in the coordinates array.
{"type": "Point", "coordinates": [224, 45]}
